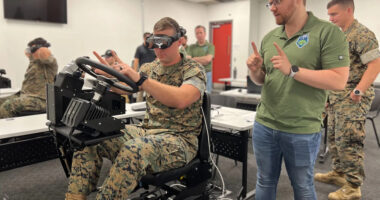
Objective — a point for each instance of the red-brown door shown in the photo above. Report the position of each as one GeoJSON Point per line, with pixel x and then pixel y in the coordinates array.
{"type": "Point", "coordinates": [222, 40]}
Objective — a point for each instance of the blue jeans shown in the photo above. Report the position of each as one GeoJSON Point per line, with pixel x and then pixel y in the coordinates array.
{"type": "Point", "coordinates": [209, 82]}
{"type": "Point", "coordinates": [299, 152]}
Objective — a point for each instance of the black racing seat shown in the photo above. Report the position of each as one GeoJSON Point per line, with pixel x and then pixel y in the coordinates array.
{"type": "Point", "coordinates": [195, 175]}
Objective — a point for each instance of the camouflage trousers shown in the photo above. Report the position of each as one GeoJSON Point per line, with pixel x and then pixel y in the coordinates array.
{"type": "Point", "coordinates": [346, 134]}
{"type": "Point", "coordinates": [13, 105]}
{"type": "Point", "coordinates": [134, 155]}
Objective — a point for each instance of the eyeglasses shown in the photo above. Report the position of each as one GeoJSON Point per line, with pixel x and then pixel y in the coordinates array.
{"type": "Point", "coordinates": [273, 3]}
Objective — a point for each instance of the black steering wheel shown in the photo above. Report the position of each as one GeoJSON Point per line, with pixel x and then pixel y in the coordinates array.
{"type": "Point", "coordinates": [132, 87]}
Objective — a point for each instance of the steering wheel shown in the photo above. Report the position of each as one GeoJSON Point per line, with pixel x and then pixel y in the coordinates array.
{"type": "Point", "coordinates": [132, 87]}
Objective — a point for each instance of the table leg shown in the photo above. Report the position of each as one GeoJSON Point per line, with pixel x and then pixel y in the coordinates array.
{"type": "Point", "coordinates": [323, 154]}
{"type": "Point", "coordinates": [243, 191]}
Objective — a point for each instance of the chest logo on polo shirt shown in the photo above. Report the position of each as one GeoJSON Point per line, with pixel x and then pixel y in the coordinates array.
{"type": "Point", "coordinates": [303, 40]}
{"type": "Point", "coordinates": [205, 49]}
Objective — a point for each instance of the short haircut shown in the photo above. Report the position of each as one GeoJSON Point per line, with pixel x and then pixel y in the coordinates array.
{"type": "Point", "coordinates": [200, 26]}
{"type": "Point", "coordinates": [345, 3]}
{"type": "Point", "coordinates": [166, 23]}
{"type": "Point", "coordinates": [146, 34]}
{"type": "Point", "coordinates": [39, 41]}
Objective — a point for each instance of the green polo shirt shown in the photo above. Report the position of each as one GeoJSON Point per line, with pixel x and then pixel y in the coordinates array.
{"type": "Point", "coordinates": [195, 50]}
{"type": "Point", "coordinates": [286, 104]}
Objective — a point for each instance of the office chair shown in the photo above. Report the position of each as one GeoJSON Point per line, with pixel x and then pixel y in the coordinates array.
{"type": "Point", "coordinates": [193, 177]}
{"type": "Point", "coordinates": [374, 112]}
{"type": "Point", "coordinates": [4, 82]}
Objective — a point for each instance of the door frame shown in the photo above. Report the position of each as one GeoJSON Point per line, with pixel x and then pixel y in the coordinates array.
{"type": "Point", "coordinates": [211, 23]}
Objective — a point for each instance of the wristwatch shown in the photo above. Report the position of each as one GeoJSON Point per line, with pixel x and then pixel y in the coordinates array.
{"type": "Point", "coordinates": [143, 77]}
{"type": "Point", "coordinates": [293, 71]}
{"type": "Point", "coordinates": [358, 92]}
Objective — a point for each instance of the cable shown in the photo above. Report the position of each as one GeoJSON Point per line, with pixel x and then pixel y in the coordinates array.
{"type": "Point", "coordinates": [222, 196]}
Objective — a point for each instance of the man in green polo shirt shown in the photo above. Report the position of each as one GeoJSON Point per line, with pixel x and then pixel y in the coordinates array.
{"type": "Point", "coordinates": [347, 109]}
{"type": "Point", "coordinates": [203, 52]}
{"type": "Point", "coordinates": [297, 63]}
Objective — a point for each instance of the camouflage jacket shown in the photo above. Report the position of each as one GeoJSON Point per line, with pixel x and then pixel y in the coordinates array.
{"type": "Point", "coordinates": [38, 74]}
{"type": "Point", "coordinates": [160, 116]}
{"type": "Point", "coordinates": [363, 48]}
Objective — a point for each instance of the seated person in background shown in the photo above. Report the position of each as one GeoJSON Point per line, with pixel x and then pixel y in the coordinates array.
{"type": "Point", "coordinates": [167, 137]}
{"type": "Point", "coordinates": [41, 70]}
{"type": "Point", "coordinates": [112, 62]}
{"type": "Point", "coordinates": [108, 57]}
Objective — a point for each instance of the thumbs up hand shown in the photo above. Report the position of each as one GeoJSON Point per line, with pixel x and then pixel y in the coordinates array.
{"type": "Point", "coordinates": [281, 61]}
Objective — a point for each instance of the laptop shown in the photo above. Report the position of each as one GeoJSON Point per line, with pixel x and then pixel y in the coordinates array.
{"type": "Point", "coordinates": [252, 87]}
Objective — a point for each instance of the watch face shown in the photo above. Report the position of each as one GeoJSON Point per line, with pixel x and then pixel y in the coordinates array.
{"type": "Point", "coordinates": [295, 68]}
{"type": "Point", "coordinates": [356, 92]}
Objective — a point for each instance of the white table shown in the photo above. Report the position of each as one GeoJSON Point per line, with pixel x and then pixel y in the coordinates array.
{"type": "Point", "coordinates": [8, 91]}
{"type": "Point", "coordinates": [239, 82]}
{"type": "Point", "coordinates": [225, 119]}
{"type": "Point", "coordinates": [232, 118]}
{"type": "Point", "coordinates": [242, 95]}
{"type": "Point", "coordinates": [27, 125]}
{"type": "Point", "coordinates": [19, 126]}
{"type": "Point", "coordinates": [129, 113]}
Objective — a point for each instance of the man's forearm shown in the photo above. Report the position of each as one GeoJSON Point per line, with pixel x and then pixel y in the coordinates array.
{"type": "Point", "coordinates": [330, 79]}
{"type": "Point", "coordinates": [258, 77]}
{"type": "Point", "coordinates": [204, 60]}
{"type": "Point", "coordinates": [369, 75]}
{"type": "Point", "coordinates": [172, 96]}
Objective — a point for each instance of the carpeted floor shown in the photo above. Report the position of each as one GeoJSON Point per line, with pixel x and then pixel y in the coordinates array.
{"type": "Point", "coordinates": [47, 181]}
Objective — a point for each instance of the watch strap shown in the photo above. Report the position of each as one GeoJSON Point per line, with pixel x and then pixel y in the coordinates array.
{"type": "Point", "coordinates": [293, 71]}
{"type": "Point", "coordinates": [143, 77]}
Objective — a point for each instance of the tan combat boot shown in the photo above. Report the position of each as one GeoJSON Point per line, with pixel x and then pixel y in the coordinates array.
{"type": "Point", "coordinates": [347, 192]}
{"type": "Point", "coordinates": [75, 196]}
{"type": "Point", "coordinates": [331, 177]}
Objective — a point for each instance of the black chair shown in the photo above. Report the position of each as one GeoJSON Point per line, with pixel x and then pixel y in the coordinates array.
{"type": "Point", "coordinates": [193, 177]}
{"type": "Point", "coordinates": [374, 112]}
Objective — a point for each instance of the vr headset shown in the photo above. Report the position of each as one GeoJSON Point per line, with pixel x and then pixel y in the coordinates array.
{"type": "Point", "coordinates": [163, 41]}
{"type": "Point", "coordinates": [34, 48]}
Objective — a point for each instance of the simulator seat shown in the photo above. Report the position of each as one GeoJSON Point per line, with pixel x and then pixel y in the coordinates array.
{"type": "Point", "coordinates": [192, 177]}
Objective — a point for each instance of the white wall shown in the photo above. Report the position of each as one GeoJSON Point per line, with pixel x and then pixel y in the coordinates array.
{"type": "Point", "coordinates": [238, 13]}
{"type": "Point", "coordinates": [365, 11]}
{"type": "Point", "coordinates": [188, 15]}
{"type": "Point", "coordinates": [117, 24]}
{"type": "Point", "coordinates": [92, 25]}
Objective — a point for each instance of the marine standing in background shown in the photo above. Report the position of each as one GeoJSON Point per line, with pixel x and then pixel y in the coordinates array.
{"type": "Point", "coordinates": [347, 109]}
{"type": "Point", "coordinates": [203, 52]}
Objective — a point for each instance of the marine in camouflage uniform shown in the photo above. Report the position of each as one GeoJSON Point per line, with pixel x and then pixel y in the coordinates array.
{"type": "Point", "coordinates": [166, 139]}
{"type": "Point", "coordinates": [346, 118]}
{"type": "Point", "coordinates": [32, 96]}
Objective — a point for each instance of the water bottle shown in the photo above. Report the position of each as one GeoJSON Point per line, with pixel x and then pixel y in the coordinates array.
{"type": "Point", "coordinates": [234, 73]}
